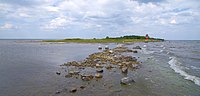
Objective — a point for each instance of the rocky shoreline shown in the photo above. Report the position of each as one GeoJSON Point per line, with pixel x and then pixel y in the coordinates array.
{"type": "Point", "coordinates": [95, 65]}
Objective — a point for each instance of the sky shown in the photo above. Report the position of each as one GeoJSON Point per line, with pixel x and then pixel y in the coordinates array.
{"type": "Point", "coordinates": [59, 19]}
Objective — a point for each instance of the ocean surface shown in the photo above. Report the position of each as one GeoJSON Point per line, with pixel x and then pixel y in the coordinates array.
{"type": "Point", "coordinates": [28, 67]}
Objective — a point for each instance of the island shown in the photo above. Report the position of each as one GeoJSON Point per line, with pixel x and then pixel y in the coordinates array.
{"type": "Point", "coordinates": [122, 39]}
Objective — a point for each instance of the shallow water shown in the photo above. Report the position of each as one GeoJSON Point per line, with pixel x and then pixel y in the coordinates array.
{"type": "Point", "coordinates": [28, 69]}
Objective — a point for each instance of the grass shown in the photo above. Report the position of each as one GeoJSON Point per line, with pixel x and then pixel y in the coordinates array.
{"type": "Point", "coordinates": [99, 40]}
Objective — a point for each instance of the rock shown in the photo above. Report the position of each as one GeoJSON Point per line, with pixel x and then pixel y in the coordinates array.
{"type": "Point", "coordinates": [58, 92]}
{"type": "Point", "coordinates": [127, 81]}
{"type": "Point", "coordinates": [137, 47]}
{"type": "Point", "coordinates": [82, 87]}
{"type": "Point", "coordinates": [109, 67]}
{"type": "Point", "coordinates": [136, 66]}
{"type": "Point", "coordinates": [98, 75]}
{"type": "Point", "coordinates": [98, 66]}
{"type": "Point", "coordinates": [73, 90]}
{"type": "Point", "coordinates": [99, 47]}
{"type": "Point", "coordinates": [87, 77]}
{"type": "Point", "coordinates": [120, 64]}
{"type": "Point", "coordinates": [106, 47]}
{"type": "Point", "coordinates": [68, 76]}
{"type": "Point", "coordinates": [124, 70]}
{"type": "Point", "coordinates": [99, 70]}
{"type": "Point", "coordinates": [110, 51]}
{"type": "Point", "coordinates": [135, 51]}
{"type": "Point", "coordinates": [58, 73]}
{"type": "Point", "coordinates": [74, 72]}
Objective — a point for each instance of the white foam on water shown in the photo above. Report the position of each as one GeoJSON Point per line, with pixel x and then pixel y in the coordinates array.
{"type": "Point", "coordinates": [175, 65]}
{"type": "Point", "coordinates": [144, 46]}
{"type": "Point", "coordinates": [145, 51]}
{"type": "Point", "coordinates": [168, 52]}
{"type": "Point", "coordinates": [164, 47]}
{"type": "Point", "coordinates": [193, 67]}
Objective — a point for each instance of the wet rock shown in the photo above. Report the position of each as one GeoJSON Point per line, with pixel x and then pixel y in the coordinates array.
{"type": "Point", "coordinates": [127, 81]}
{"type": "Point", "coordinates": [98, 75]}
{"type": "Point", "coordinates": [109, 67]}
{"type": "Point", "coordinates": [58, 92]}
{"type": "Point", "coordinates": [58, 73]}
{"type": "Point", "coordinates": [124, 70]}
{"type": "Point", "coordinates": [136, 66]}
{"type": "Point", "coordinates": [74, 72]}
{"type": "Point", "coordinates": [106, 47]}
{"type": "Point", "coordinates": [111, 51]}
{"type": "Point", "coordinates": [82, 87]}
{"type": "Point", "coordinates": [99, 47]}
{"type": "Point", "coordinates": [99, 70]}
{"type": "Point", "coordinates": [120, 64]}
{"type": "Point", "coordinates": [73, 90]}
{"type": "Point", "coordinates": [68, 76]}
{"type": "Point", "coordinates": [87, 77]}
{"type": "Point", "coordinates": [135, 51]}
{"type": "Point", "coordinates": [98, 66]}
{"type": "Point", "coordinates": [150, 71]}
{"type": "Point", "coordinates": [137, 47]}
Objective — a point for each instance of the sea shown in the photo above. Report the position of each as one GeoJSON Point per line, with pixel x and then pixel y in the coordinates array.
{"type": "Point", "coordinates": [169, 68]}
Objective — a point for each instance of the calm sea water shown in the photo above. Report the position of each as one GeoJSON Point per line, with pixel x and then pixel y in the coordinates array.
{"type": "Point", "coordinates": [170, 68]}
{"type": "Point", "coordinates": [28, 68]}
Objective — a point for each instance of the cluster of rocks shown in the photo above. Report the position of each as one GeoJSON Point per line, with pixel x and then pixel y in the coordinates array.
{"type": "Point", "coordinates": [101, 61]}
{"type": "Point", "coordinates": [106, 59]}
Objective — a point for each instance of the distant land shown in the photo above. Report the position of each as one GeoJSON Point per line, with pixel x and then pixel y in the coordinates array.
{"type": "Point", "coordinates": [122, 39]}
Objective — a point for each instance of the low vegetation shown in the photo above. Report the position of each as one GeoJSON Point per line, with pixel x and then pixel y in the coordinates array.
{"type": "Point", "coordinates": [124, 39]}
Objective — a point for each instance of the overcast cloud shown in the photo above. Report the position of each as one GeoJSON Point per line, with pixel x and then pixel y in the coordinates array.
{"type": "Point", "coordinates": [58, 19]}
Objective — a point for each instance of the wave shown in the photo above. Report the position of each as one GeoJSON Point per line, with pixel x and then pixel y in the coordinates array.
{"type": "Point", "coordinates": [175, 65]}
{"type": "Point", "coordinates": [145, 51]}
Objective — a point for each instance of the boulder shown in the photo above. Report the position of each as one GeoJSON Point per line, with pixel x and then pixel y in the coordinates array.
{"type": "Point", "coordinates": [127, 81]}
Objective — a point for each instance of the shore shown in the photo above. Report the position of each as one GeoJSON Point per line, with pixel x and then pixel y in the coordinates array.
{"type": "Point", "coordinates": [111, 40]}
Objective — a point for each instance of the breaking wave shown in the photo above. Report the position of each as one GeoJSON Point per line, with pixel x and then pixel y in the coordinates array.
{"type": "Point", "coordinates": [175, 65]}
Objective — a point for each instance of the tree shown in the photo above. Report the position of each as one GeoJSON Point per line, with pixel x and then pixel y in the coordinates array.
{"type": "Point", "coordinates": [107, 37]}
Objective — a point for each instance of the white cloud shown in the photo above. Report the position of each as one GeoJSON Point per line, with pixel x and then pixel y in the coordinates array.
{"type": "Point", "coordinates": [104, 15]}
{"type": "Point", "coordinates": [59, 22]}
{"type": "Point", "coordinates": [7, 26]}
{"type": "Point", "coordinates": [51, 9]}
{"type": "Point", "coordinates": [173, 21]}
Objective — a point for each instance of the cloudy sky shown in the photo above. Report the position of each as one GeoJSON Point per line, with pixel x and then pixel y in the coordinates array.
{"type": "Point", "coordinates": [58, 19]}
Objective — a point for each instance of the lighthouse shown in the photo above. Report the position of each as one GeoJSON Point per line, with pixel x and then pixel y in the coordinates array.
{"type": "Point", "coordinates": [147, 37]}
